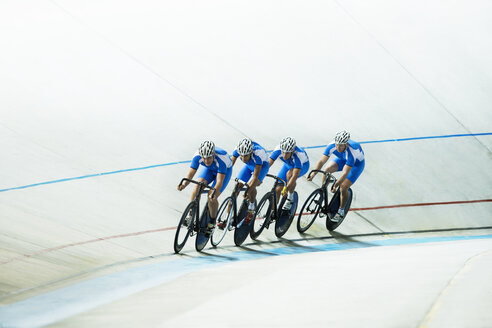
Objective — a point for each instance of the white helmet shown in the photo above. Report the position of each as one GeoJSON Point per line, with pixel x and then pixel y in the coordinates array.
{"type": "Point", "coordinates": [287, 144]}
{"type": "Point", "coordinates": [342, 137]}
{"type": "Point", "coordinates": [245, 147]}
{"type": "Point", "coordinates": [206, 149]}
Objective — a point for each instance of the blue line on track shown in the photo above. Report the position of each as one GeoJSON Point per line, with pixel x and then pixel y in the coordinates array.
{"type": "Point", "coordinates": [184, 162]}
{"type": "Point", "coordinates": [66, 302]}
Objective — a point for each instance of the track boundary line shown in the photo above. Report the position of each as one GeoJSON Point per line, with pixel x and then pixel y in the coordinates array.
{"type": "Point", "coordinates": [184, 162]}
{"type": "Point", "coordinates": [132, 234]}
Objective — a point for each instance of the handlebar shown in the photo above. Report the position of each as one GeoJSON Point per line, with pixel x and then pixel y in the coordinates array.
{"type": "Point", "coordinates": [245, 186]}
{"type": "Point", "coordinates": [330, 177]}
{"type": "Point", "coordinates": [276, 178]}
{"type": "Point", "coordinates": [202, 185]}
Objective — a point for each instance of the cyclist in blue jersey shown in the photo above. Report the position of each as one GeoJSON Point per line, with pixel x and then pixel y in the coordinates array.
{"type": "Point", "coordinates": [348, 157]}
{"type": "Point", "coordinates": [217, 167]}
{"type": "Point", "coordinates": [255, 170]}
{"type": "Point", "coordinates": [296, 164]}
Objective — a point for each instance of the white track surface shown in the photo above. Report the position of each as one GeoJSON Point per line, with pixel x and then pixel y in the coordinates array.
{"type": "Point", "coordinates": [102, 101]}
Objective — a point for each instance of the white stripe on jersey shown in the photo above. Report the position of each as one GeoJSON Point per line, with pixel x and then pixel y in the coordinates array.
{"type": "Point", "coordinates": [356, 153]}
{"type": "Point", "coordinates": [224, 158]}
{"type": "Point", "coordinates": [261, 153]}
{"type": "Point", "coordinates": [302, 156]}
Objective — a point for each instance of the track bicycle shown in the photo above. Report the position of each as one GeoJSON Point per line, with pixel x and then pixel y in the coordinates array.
{"type": "Point", "coordinates": [317, 205]}
{"type": "Point", "coordinates": [267, 211]}
{"type": "Point", "coordinates": [191, 223]}
{"type": "Point", "coordinates": [229, 218]}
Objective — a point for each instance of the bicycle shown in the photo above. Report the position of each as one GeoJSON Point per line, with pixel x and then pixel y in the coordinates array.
{"type": "Point", "coordinates": [229, 218]}
{"type": "Point", "coordinates": [191, 223]}
{"type": "Point", "coordinates": [267, 212]}
{"type": "Point", "coordinates": [317, 204]}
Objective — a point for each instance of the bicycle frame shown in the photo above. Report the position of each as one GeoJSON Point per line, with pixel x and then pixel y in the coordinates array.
{"type": "Point", "coordinates": [324, 186]}
{"type": "Point", "coordinates": [240, 186]}
{"type": "Point", "coordinates": [204, 188]}
{"type": "Point", "coordinates": [274, 192]}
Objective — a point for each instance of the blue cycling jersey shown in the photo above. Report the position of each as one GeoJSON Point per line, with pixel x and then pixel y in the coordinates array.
{"type": "Point", "coordinates": [258, 157]}
{"type": "Point", "coordinates": [221, 162]}
{"type": "Point", "coordinates": [353, 155]}
{"type": "Point", "coordinates": [298, 158]}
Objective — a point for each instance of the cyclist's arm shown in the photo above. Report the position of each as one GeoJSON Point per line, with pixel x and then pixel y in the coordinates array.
{"type": "Point", "coordinates": [234, 156]}
{"type": "Point", "coordinates": [274, 155]}
{"type": "Point", "coordinates": [345, 172]}
{"type": "Point", "coordinates": [256, 174]}
{"type": "Point", "coordinates": [218, 185]}
{"type": "Point", "coordinates": [318, 166]}
{"type": "Point", "coordinates": [191, 174]}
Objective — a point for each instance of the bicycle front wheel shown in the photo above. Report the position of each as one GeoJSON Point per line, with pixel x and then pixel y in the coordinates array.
{"type": "Point", "coordinates": [184, 227]}
{"type": "Point", "coordinates": [309, 211]}
{"type": "Point", "coordinates": [262, 215]}
{"type": "Point", "coordinates": [225, 213]}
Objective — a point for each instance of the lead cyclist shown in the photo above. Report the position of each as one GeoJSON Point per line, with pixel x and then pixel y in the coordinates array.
{"type": "Point", "coordinates": [217, 168]}
{"type": "Point", "coordinates": [348, 157]}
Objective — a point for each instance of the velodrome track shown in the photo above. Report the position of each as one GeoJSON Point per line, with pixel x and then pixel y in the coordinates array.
{"type": "Point", "coordinates": [104, 103]}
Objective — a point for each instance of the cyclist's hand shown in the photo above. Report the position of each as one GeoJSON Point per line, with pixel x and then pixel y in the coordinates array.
{"type": "Point", "coordinates": [310, 178]}
{"type": "Point", "coordinates": [183, 185]}
{"type": "Point", "coordinates": [211, 195]}
{"type": "Point", "coordinates": [334, 187]}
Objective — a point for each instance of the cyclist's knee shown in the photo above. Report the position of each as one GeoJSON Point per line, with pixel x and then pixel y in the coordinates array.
{"type": "Point", "coordinates": [345, 185]}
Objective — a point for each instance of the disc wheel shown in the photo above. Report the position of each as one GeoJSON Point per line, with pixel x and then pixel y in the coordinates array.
{"type": "Point", "coordinates": [333, 209]}
{"type": "Point", "coordinates": [184, 229]}
{"type": "Point", "coordinates": [262, 216]}
{"type": "Point", "coordinates": [202, 235]}
{"type": "Point", "coordinates": [243, 228]}
{"type": "Point", "coordinates": [309, 211]}
{"type": "Point", "coordinates": [286, 217]}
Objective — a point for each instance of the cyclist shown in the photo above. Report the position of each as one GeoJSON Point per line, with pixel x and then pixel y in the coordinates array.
{"type": "Point", "coordinates": [348, 157]}
{"type": "Point", "coordinates": [217, 168]}
{"type": "Point", "coordinates": [296, 164]}
{"type": "Point", "coordinates": [255, 170]}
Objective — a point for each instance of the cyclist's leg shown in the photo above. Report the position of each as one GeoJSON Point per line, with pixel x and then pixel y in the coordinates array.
{"type": "Point", "coordinates": [303, 171]}
{"type": "Point", "coordinates": [214, 204]}
{"type": "Point", "coordinates": [344, 195]}
{"type": "Point", "coordinates": [282, 174]}
{"type": "Point", "coordinates": [205, 176]}
{"type": "Point", "coordinates": [335, 164]}
{"type": "Point", "coordinates": [252, 189]}
{"type": "Point", "coordinates": [353, 175]}
{"type": "Point", "coordinates": [245, 174]}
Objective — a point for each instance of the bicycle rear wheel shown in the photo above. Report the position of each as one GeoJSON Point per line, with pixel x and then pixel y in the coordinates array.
{"type": "Point", "coordinates": [285, 217]}
{"type": "Point", "coordinates": [202, 235]}
{"type": "Point", "coordinates": [224, 215]}
{"type": "Point", "coordinates": [243, 228]}
{"type": "Point", "coordinates": [262, 215]}
{"type": "Point", "coordinates": [333, 209]}
{"type": "Point", "coordinates": [309, 211]}
{"type": "Point", "coordinates": [184, 228]}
